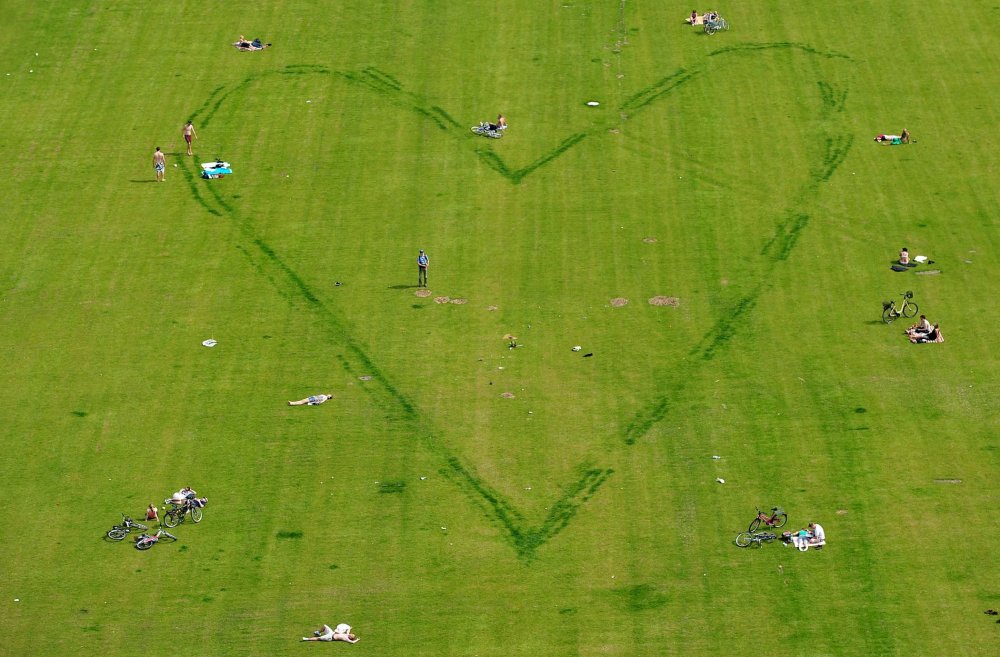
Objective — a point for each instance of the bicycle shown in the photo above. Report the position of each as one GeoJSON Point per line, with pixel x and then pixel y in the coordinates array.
{"type": "Point", "coordinates": [119, 532]}
{"type": "Point", "coordinates": [754, 539]}
{"type": "Point", "coordinates": [488, 130]}
{"type": "Point", "coordinates": [891, 313]}
{"type": "Point", "coordinates": [777, 519]}
{"type": "Point", "coordinates": [177, 512]}
{"type": "Point", "coordinates": [711, 27]}
{"type": "Point", "coordinates": [146, 541]}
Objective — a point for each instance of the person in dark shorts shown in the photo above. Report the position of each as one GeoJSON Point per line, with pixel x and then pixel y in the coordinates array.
{"type": "Point", "coordinates": [189, 134]}
{"type": "Point", "coordinates": [422, 263]}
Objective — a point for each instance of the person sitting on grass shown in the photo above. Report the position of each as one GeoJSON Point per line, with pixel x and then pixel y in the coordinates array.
{"type": "Point", "coordinates": [694, 18]}
{"type": "Point", "coordinates": [904, 137]}
{"type": "Point", "coordinates": [904, 256]}
{"type": "Point", "coordinates": [341, 633]}
{"type": "Point", "coordinates": [933, 336]}
{"type": "Point", "coordinates": [312, 400]}
{"type": "Point", "coordinates": [921, 328]}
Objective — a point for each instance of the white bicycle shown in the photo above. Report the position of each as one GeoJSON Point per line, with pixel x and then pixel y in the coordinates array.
{"type": "Point", "coordinates": [491, 130]}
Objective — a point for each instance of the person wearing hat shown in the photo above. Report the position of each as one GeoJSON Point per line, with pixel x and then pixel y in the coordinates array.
{"type": "Point", "coordinates": [422, 262]}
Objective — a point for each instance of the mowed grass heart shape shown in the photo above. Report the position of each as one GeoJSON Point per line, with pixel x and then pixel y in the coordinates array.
{"type": "Point", "coordinates": [335, 123]}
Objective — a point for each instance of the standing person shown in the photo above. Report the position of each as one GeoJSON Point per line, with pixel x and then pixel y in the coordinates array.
{"type": "Point", "coordinates": [159, 164]}
{"type": "Point", "coordinates": [422, 263]}
{"type": "Point", "coordinates": [189, 134]}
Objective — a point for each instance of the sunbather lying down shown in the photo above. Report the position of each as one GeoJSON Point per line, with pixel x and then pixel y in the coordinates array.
{"type": "Point", "coordinates": [244, 44]}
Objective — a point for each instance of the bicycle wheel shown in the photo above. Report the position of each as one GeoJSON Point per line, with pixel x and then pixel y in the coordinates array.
{"type": "Point", "coordinates": [144, 545]}
{"type": "Point", "coordinates": [723, 24]}
{"type": "Point", "coordinates": [909, 310]}
{"type": "Point", "coordinates": [117, 534]}
{"type": "Point", "coordinates": [889, 315]}
{"type": "Point", "coordinates": [780, 521]}
{"type": "Point", "coordinates": [197, 514]}
{"type": "Point", "coordinates": [743, 539]}
{"type": "Point", "coordinates": [478, 129]}
{"type": "Point", "coordinates": [172, 519]}
{"type": "Point", "coordinates": [754, 525]}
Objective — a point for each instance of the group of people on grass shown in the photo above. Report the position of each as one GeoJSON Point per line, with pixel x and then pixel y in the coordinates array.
{"type": "Point", "coordinates": [184, 497]}
{"type": "Point", "coordinates": [700, 19]}
{"type": "Point", "coordinates": [245, 44]}
{"type": "Point", "coordinates": [924, 331]}
{"type": "Point", "coordinates": [813, 535]}
{"type": "Point", "coordinates": [890, 140]}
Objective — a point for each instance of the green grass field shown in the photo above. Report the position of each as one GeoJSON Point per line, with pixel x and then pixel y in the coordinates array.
{"type": "Point", "coordinates": [735, 173]}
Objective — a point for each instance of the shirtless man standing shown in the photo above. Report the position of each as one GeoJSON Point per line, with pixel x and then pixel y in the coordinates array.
{"type": "Point", "coordinates": [159, 164]}
{"type": "Point", "coordinates": [189, 134]}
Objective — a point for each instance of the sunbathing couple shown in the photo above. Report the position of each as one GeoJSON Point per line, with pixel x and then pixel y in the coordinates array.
{"type": "Point", "coordinates": [903, 138]}
{"type": "Point", "coordinates": [923, 331]}
{"type": "Point", "coordinates": [256, 44]}
{"type": "Point", "coordinates": [707, 17]}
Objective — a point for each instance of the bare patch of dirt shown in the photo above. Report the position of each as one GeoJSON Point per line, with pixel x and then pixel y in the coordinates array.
{"type": "Point", "coordinates": [492, 308]}
{"type": "Point", "coordinates": [442, 299]}
{"type": "Point", "coordinates": [947, 481]}
{"type": "Point", "coordinates": [460, 302]}
{"type": "Point", "coordinates": [366, 377]}
{"type": "Point", "coordinates": [664, 301]}
{"type": "Point", "coordinates": [509, 336]}
{"type": "Point", "coordinates": [841, 512]}
{"type": "Point", "coordinates": [618, 302]}
{"type": "Point", "coordinates": [507, 395]}
{"type": "Point", "coordinates": [724, 282]}
{"type": "Point", "coordinates": [614, 131]}
{"type": "Point", "coordinates": [649, 240]}
{"type": "Point", "coordinates": [929, 272]}
{"type": "Point", "coordinates": [422, 293]}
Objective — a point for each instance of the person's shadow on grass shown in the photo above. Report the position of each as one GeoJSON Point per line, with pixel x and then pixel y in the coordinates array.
{"type": "Point", "coordinates": [402, 287]}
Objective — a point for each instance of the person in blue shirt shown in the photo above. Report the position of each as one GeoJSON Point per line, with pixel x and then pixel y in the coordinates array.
{"type": "Point", "coordinates": [422, 262]}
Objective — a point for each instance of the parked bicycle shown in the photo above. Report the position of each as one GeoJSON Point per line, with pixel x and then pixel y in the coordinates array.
{"type": "Point", "coordinates": [754, 539]}
{"type": "Point", "coordinates": [119, 532]}
{"type": "Point", "coordinates": [491, 130]}
{"type": "Point", "coordinates": [177, 512]}
{"type": "Point", "coordinates": [715, 25]}
{"type": "Point", "coordinates": [907, 308]}
{"type": "Point", "coordinates": [146, 541]}
{"type": "Point", "coordinates": [776, 519]}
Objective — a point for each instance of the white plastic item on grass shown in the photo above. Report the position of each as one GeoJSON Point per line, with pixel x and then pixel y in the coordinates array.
{"type": "Point", "coordinates": [210, 343]}
{"type": "Point", "coordinates": [593, 103]}
{"type": "Point", "coordinates": [721, 480]}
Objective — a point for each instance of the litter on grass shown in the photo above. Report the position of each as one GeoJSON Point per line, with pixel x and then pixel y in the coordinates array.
{"type": "Point", "coordinates": [210, 343]}
{"type": "Point", "coordinates": [593, 103]}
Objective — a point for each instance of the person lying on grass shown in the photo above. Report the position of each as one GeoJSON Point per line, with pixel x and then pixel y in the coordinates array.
{"type": "Point", "coordinates": [341, 633]}
{"type": "Point", "coordinates": [313, 400]}
{"type": "Point", "coordinates": [256, 44]}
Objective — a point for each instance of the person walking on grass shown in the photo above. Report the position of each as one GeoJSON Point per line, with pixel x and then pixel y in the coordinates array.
{"type": "Point", "coordinates": [189, 134]}
{"type": "Point", "coordinates": [422, 263]}
{"type": "Point", "coordinates": [159, 164]}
